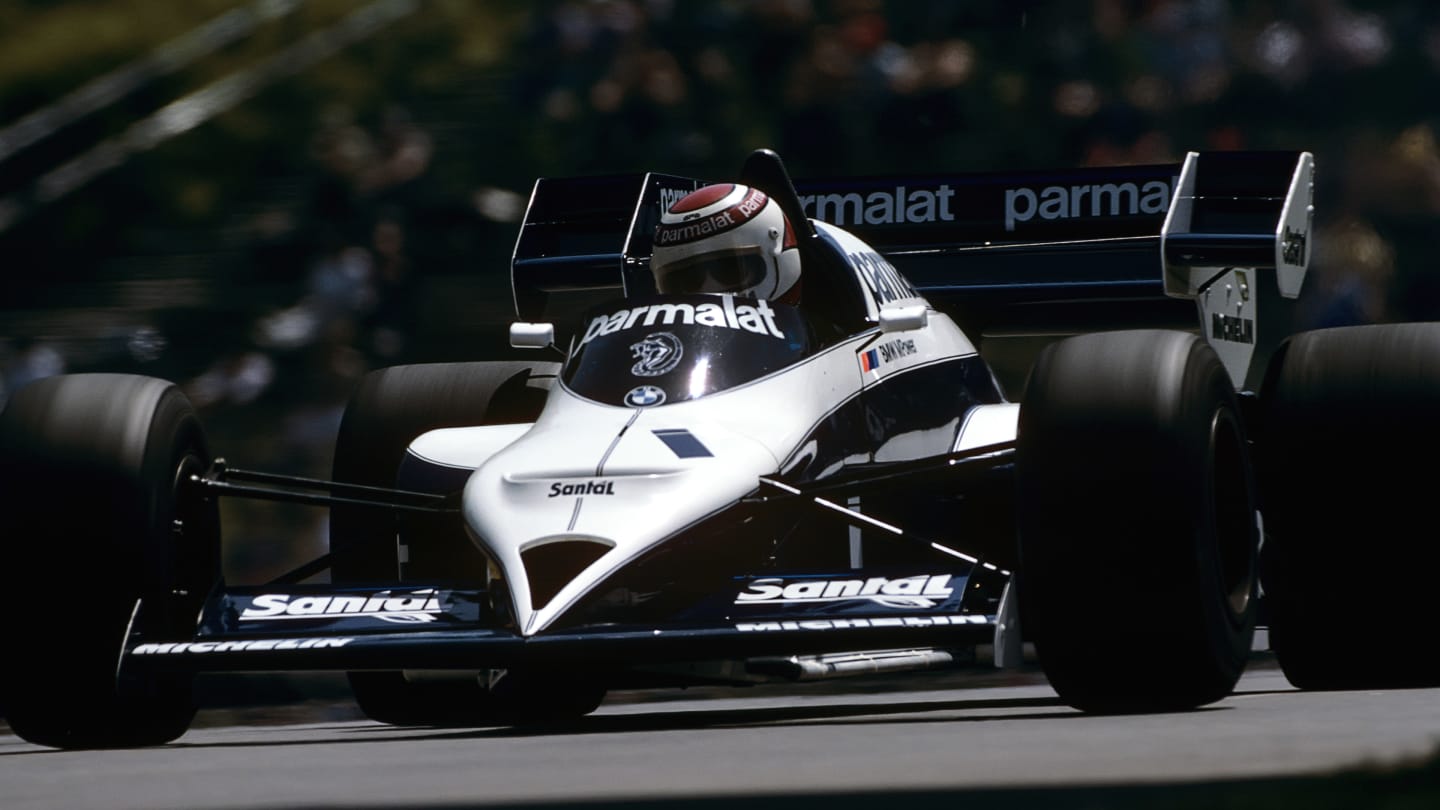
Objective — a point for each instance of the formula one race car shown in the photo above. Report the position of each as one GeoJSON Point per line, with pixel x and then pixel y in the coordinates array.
{"type": "Point", "coordinates": [715, 488]}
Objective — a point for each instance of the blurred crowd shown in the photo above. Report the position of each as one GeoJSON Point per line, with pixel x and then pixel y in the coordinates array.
{"type": "Point", "coordinates": [843, 87]}
{"type": "Point", "coordinates": [865, 86]}
{"type": "Point", "coordinates": [420, 187]}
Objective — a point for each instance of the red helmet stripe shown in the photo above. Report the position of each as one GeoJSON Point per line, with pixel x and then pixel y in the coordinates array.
{"type": "Point", "coordinates": [695, 200]}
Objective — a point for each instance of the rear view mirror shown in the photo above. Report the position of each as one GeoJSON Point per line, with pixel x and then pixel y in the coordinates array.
{"type": "Point", "coordinates": [903, 319]}
{"type": "Point", "coordinates": [532, 335]}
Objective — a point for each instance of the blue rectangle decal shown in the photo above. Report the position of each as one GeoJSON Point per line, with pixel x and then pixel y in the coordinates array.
{"type": "Point", "coordinates": [683, 443]}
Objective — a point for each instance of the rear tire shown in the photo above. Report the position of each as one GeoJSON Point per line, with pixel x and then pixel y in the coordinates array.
{"type": "Point", "coordinates": [1137, 518]}
{"type": "Point", "coordinates": [102, 527]}
{"type": "Point", "coordinates": [1349, 570]}
{"type": "Point", "coordinates": [391, 408]}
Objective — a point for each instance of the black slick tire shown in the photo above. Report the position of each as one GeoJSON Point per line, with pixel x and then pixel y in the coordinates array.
{"type": "Point", "coordinates": [1351, 418]}
{"type": "Point", "coordinates": [391, 408]}
{"type": "Point", "coordinates": [1137, 522]}
{"type": "Point", "coordinates": [109, 544]}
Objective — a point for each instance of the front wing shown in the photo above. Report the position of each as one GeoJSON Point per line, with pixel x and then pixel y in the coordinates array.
{"type": "Point", "coordinates": [434, 628]}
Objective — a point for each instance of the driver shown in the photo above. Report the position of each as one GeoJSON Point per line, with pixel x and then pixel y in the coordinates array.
{"type": "Point", "coordinates": [727, 238]}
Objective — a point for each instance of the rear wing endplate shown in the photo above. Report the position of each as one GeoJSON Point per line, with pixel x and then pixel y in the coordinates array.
{"type": "Point", "coordinates": [582, 236]}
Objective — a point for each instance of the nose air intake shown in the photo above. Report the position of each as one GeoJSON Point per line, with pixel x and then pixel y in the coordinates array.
{"type": "Point", "coordinates": [551, 565]}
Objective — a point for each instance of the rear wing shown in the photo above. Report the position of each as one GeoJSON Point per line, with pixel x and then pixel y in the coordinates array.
{"type": "Point", "coordinates": [1032, 254]}
{"type": "Point", "coordinates": [588, 239]}
{"type": "Point", "coordinates": [1010, 231]}
{"type": "Point", "coordinates": [1246, 209]}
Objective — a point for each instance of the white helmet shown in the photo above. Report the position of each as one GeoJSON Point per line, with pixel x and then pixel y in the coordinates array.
{"type": "Point", "coordinates": [727, 238]}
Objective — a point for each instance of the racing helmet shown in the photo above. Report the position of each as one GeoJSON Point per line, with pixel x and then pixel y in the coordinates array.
{"type": "Point", "coordinates": [727, 238]}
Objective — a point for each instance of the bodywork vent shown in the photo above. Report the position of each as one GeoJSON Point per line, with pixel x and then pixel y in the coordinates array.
{"type": "Point", "coordinates": [552, 565]}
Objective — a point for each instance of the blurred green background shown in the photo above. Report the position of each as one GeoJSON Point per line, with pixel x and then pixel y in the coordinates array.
{"type": "Point", "coordinates": [263, 200]}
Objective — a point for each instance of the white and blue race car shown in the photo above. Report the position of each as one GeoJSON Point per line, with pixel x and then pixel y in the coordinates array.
{"type": "Point", "coordinates": [717, 489]}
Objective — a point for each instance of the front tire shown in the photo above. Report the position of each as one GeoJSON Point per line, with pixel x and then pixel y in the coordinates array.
{"type": "Point", "coordinates": [391, 408]}
{"type": "Point", "coordinates": [107, 541]}
{"type": "Point", "coordinates": [1138, 531]}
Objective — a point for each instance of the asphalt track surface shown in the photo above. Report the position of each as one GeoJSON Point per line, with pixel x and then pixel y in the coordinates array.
{"type": "Point", "coordinates": [1011, 745]}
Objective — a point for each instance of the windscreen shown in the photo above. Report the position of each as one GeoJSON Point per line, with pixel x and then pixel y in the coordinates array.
{"type": "Point", "coordinates": [652, 351]}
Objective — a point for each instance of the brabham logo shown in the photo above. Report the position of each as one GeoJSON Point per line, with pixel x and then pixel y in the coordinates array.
{"type": "Point", "coordinates": [404, 608]}
{"type": "Point", "coordinates": [922, 591]}
{"type": "Point", "coordinates": [1095, 200]}
{"type": "Point", "coordinates": [725, 314]}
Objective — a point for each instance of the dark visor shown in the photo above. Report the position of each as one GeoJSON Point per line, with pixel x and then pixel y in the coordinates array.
{"type": "Point", "coordinates": [720, 271]}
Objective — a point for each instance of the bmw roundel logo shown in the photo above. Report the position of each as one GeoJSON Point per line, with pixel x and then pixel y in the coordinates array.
{"type": "Point", "coordinates": [644, 395]}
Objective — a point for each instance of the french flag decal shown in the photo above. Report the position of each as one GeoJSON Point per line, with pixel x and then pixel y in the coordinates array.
{"type": "Point", "coordinates": [870, 360]}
